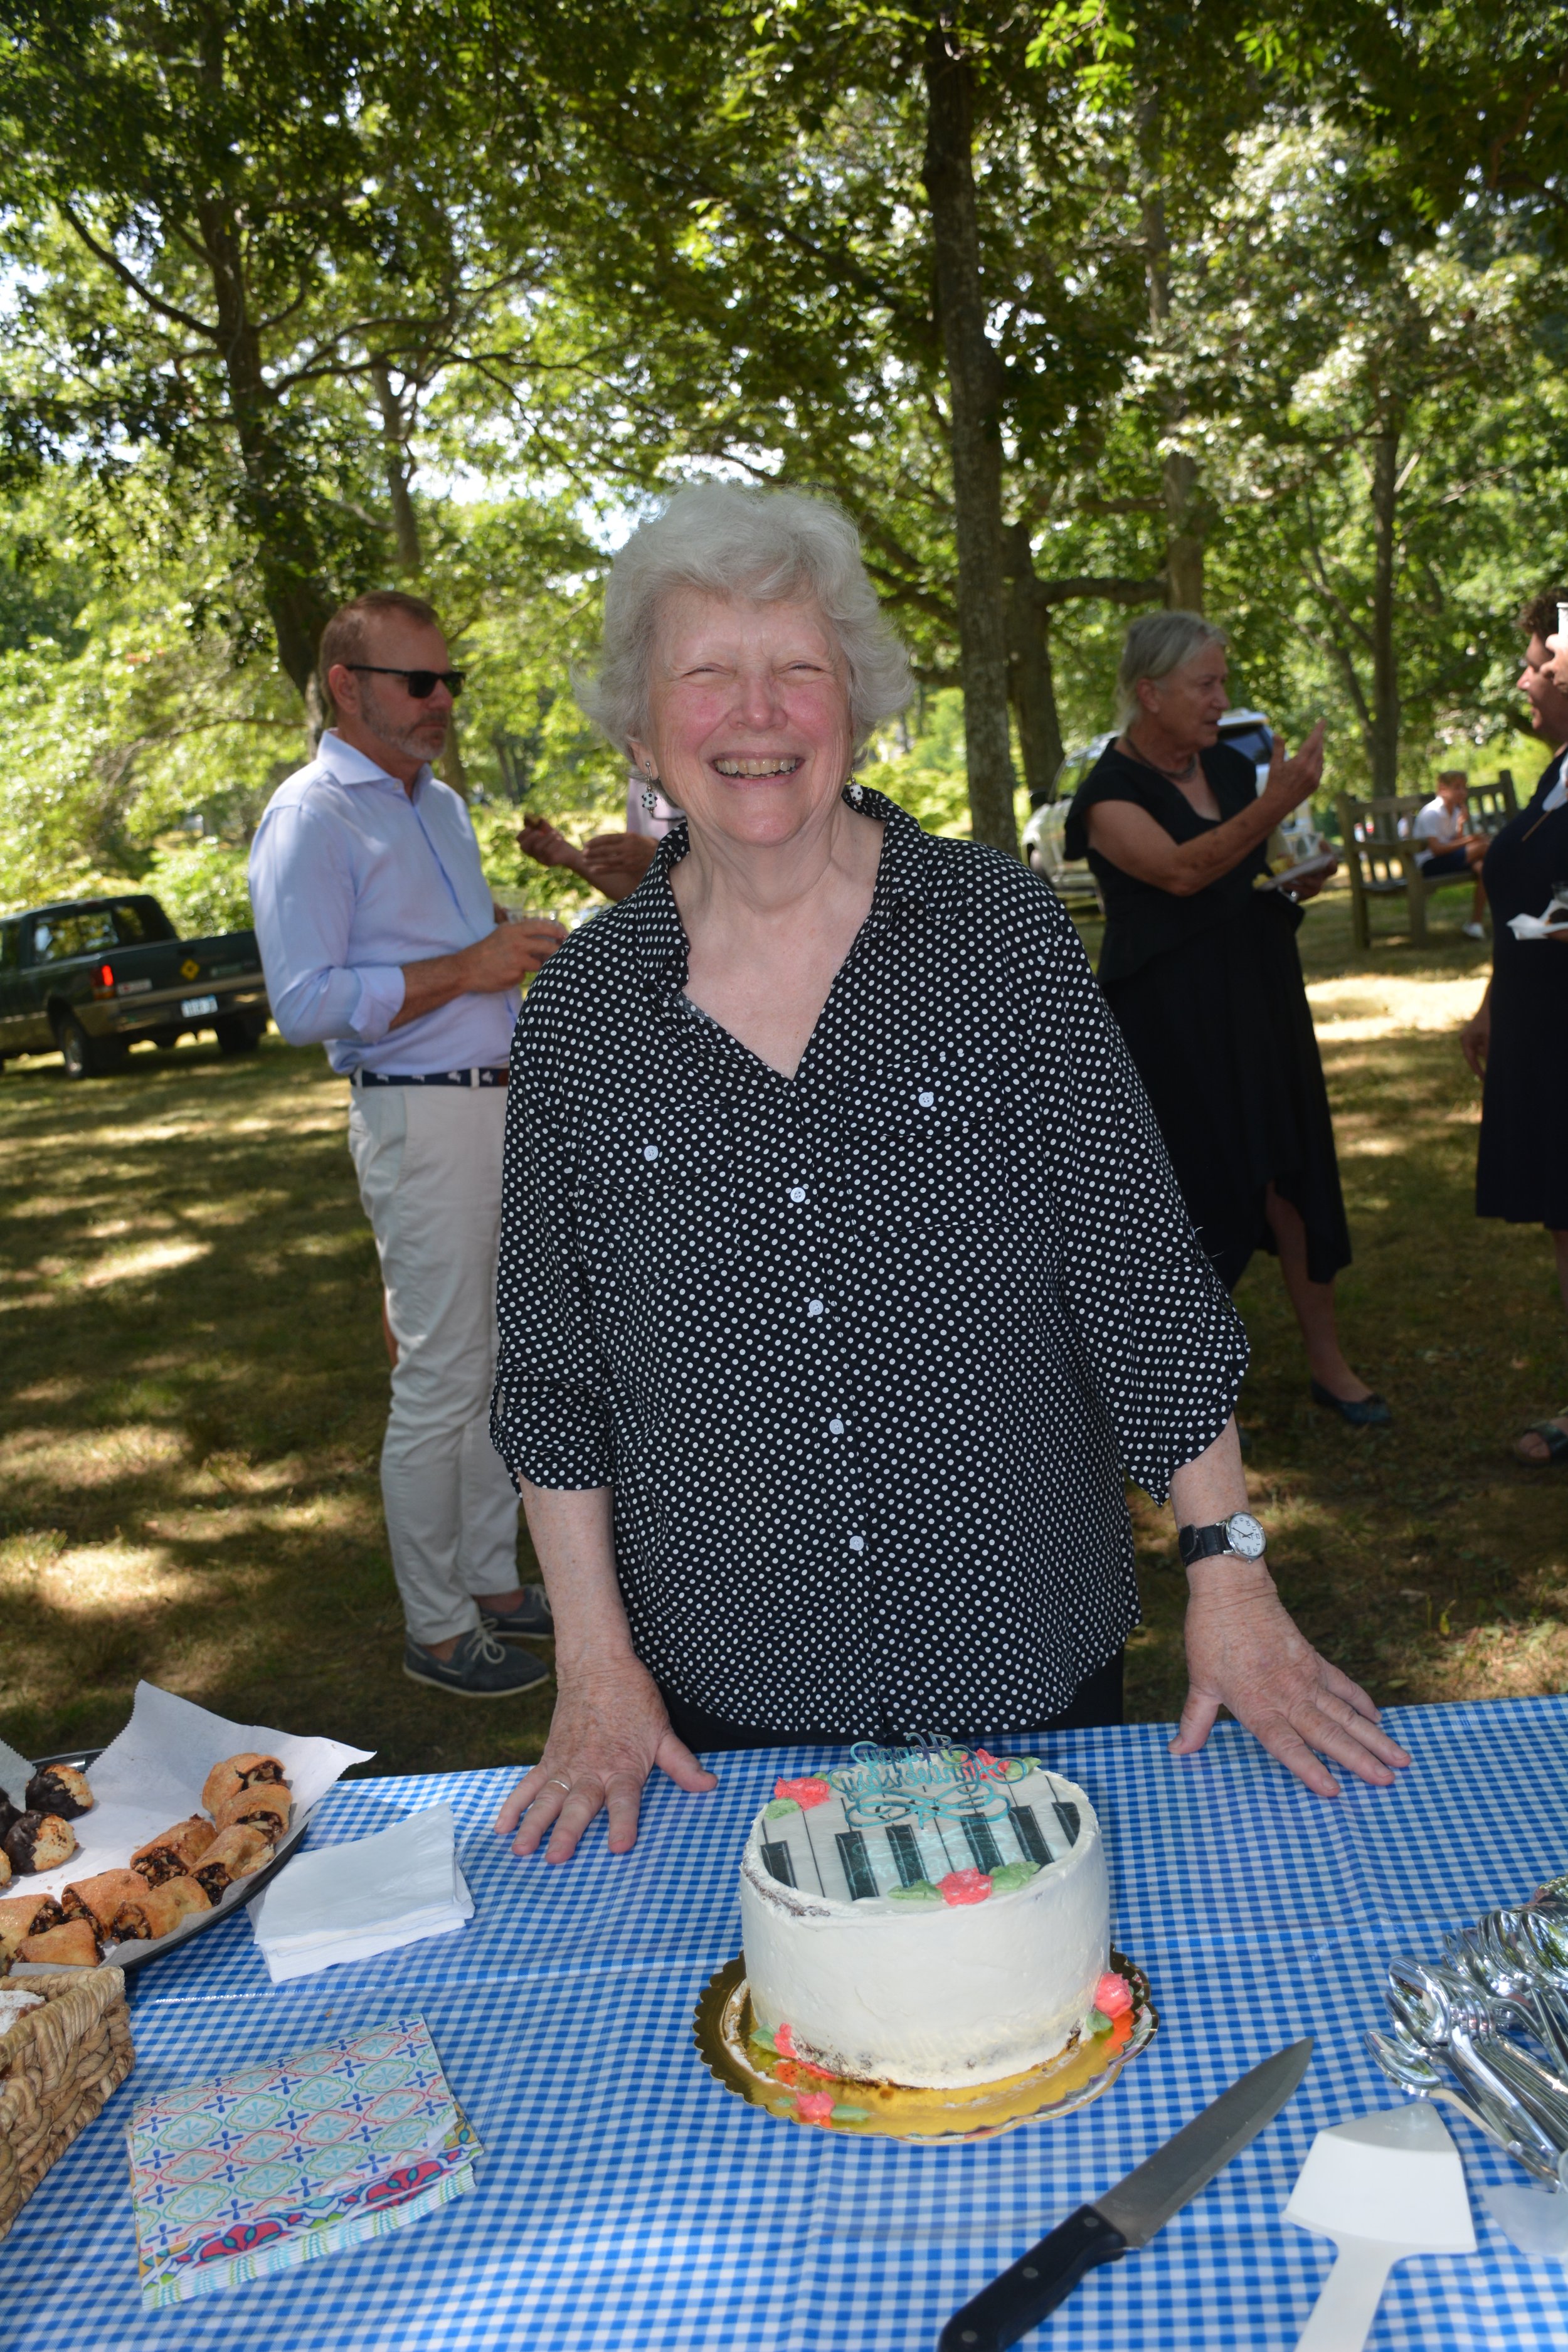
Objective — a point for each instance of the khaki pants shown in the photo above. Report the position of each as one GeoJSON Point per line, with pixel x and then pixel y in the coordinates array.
{"type": "Point", "coordinates": [428, 1159]}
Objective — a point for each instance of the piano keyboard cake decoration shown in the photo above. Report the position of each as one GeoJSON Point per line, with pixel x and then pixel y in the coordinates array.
{"type": "Point", "coordinates": [929, 1916]}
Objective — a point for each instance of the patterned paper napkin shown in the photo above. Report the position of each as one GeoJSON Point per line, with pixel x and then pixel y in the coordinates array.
{"type": "Point", "coordinates": [284, 2162]}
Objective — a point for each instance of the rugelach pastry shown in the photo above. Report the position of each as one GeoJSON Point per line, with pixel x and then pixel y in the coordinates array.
{"type": "Point", "coordinates": [38, 1842]}
{"type": "Point", "coordinates": [99, 1898]}
{"type": "Point", "coordinates": [8, 1813]}
{"type": "Point", "coordinates": [22, 1915]}
{"type": "Point", "coordinates": [59, 1788]}
{"type": "Point", "coordinates": [234, 1773]}
{"type": "Point", "coordinates": [267, 1807]}
{"type": "Point", "coordinates": [73, 1946]}
{"type": "Point", "coordinates": [158, 1910]}
{"type": "Point", "coordinates": [5, 1867]}
{"type": "Point", "coordinates": [174, 1851]}
{"type": "Point", "coordinates": [233, 1853]}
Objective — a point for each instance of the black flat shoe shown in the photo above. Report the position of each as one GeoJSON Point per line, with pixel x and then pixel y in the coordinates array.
{"type": "Point", "coordinates": [1364, 1412]}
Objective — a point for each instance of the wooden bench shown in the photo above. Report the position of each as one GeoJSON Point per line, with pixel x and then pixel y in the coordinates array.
{"type": "Point", "coordinates": [1381, 860]}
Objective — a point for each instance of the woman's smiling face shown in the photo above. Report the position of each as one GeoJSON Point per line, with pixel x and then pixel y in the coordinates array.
{"type": "Point", "coordinates": [749, 715]}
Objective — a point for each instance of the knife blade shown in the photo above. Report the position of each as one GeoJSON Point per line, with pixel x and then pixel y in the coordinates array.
{"type": "Point", "coordinates": [1126, 2216]}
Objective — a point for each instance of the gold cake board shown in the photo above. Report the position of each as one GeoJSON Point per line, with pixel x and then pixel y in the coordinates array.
{"type": "Point", "coordinates": [722, 2028]}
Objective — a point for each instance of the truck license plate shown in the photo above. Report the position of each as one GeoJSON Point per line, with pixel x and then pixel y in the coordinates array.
{"type": "Point", "coordinates": [195, 1006]}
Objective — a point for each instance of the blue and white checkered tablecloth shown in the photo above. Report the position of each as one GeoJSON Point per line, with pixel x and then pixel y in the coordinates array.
{"type": "Point", "coordinates": [626, 2201]}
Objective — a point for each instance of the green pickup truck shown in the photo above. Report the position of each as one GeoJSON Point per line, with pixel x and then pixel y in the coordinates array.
{"type": "Point", "coordinates": [88, 977]}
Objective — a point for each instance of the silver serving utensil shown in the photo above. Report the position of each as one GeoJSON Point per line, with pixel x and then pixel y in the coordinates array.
{"type": "Point", "coordinates": [1409, 2069]}
{"type": "Point", "coordinates": [1499, 1955]}
{"type": "Point", "coordinates": [1439, 2012]}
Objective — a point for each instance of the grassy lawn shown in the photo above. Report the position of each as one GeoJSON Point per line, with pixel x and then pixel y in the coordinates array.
{"type": "Point", "coordinates": [196, 1386]}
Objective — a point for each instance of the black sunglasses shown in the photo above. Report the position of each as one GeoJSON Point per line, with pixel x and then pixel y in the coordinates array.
{"type": "Point", "coordinates": [421, 683]}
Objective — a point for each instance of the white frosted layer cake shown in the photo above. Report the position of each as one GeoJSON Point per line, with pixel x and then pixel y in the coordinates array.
{"type": "Point", "coordinates": [928, 1917]}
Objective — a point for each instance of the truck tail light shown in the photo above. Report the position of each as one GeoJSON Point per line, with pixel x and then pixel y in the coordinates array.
{"type": "Point", "coordinates": [104, 984]}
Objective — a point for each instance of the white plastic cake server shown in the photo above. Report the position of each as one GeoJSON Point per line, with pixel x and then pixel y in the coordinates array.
{"type": "Point", "coordinates": [1383, 2187]}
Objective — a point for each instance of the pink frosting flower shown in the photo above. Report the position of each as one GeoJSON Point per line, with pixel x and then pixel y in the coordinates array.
{"type": "Point", "coordinates": [783, 2042]}
{"type": "Point", "coordinates": [1112, 1995]}
{"type": "Point", "coordinates": [965, 1886]}
{"type": "Point", "coordinates": [813, 2106]}
{"type": "Point", "coordinates": [805, 1793]}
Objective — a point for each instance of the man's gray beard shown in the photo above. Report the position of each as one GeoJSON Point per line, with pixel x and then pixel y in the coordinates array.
{"type": "Point", "coordinates": [404, 737]}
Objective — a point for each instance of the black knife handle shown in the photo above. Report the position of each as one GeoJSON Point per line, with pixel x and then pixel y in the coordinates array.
{"type": "Point", "coordinates": [1037, 2283]}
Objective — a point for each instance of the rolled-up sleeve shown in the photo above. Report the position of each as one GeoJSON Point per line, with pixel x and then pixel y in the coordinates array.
{"type": "Point", "coordinates": [550, 1412]}
{"type": "Point", "coordinates": [1165, 1346]}
{"type": "Point", "coordinates": [302, 893]}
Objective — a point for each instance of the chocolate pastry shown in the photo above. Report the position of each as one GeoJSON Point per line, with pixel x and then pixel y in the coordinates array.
{"type": "Point", "coordinates": [99, 1899]}
{"type": "Point", "coordinates": [233, 1853]}
{"type": "Point", "coordinates": [73, 1946]}
{"type": "Point", "coordinates": [8, 1813]}
{"type": "Point", "coordinates": [38, 1842]}
{"type": "Point", "coordinates": [158, 1910]}
{"type": "Point", "coordinates": [268, 1806]}
{"type": "Point", "coordinates": [174, 1851]}
{"type": "Point", "coordinates": [5, 1867]}
{"type": "Point", "coordinates": [59, 1788]}
{"type": "Point", "coordinates": [22, 1915]}
{"type": "Point", "coordinates": [234, 1773]}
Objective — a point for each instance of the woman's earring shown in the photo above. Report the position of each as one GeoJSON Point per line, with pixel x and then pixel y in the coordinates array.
{"type": "Point", "coordinates": [855, 790]}
{"type": "Point", "coordinates": [649, 797]}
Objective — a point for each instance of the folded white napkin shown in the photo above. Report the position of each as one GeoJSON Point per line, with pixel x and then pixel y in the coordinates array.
{"type": "Point", "coordinates": [1539, 927]}
{"type": "Point", "coordinates": [350, 1902]}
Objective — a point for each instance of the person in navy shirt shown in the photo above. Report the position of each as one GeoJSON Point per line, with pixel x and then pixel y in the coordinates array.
{"type": "Point", "coordinates": [381, 941]}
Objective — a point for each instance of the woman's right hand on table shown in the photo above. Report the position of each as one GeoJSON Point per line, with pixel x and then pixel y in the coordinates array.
{"type": "Point", "coordinates": [608, 1733]}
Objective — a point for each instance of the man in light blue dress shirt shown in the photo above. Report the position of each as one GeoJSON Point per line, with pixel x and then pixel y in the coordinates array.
{"type": "Point", "coordinates": [381, 941]}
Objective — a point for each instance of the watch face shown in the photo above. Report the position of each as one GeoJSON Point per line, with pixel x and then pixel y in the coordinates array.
{"type": "Point", "coordinates": [1245, 1535]}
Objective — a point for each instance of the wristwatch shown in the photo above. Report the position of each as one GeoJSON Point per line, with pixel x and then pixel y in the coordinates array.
{"type": "Point", "coordinates": [1239, 1534]}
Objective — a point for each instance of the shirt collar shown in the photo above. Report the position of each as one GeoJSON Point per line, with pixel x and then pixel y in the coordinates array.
{"type": "Point", "coordinates": [347, 766]}
{"type": "Point", "coordinates": [907, 871]}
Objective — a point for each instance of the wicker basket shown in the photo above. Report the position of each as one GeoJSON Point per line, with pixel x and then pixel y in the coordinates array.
{"type": "Point", "coordinates": [58, 2066]}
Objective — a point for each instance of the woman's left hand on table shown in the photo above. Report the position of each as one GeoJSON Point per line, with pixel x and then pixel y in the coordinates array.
{"type": "Point", "coordinates": [608, 1734]}
{"type": "Point", "coordinates": [1246, 1653]}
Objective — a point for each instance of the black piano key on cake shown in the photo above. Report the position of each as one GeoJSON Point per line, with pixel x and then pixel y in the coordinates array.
{"type": "Point", "coordinates": [906, 1854]}
{"type": "Point", "coordinates": [859, 1875]}
{"type": "Point", "coordinates": [1030, 1836]}
{"type": "Point", "coordinates": [982, 1844]}
{"type": "Point", "coordinates": [1067, 1813]}
{"type": "Point", "coordinates": [778, 1862]}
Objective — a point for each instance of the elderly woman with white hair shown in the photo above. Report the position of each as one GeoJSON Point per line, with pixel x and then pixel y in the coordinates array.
{"type": "Point", "coordinates": [842, 1270]}
{"type": "Point", "coordinates": [1201, 970]}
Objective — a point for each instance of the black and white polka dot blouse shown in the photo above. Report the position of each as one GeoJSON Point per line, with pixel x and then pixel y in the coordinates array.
{"type": "Point", "coordinates": [863, 1352]}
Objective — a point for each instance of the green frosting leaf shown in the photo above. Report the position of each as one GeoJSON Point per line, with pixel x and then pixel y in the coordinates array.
{"type": "Point", "coordinates": [922, 1891]}
{"type": "Point", "coordinates": [1012, 1874]}
{"type": "Point", "coordinates": [764, 2039]}
{"type": "Point", "coordinates": [779, 1808]}
{"type": "Point", "coordinates": [1098, 2022]}
{"type": "Point", "coordinates": [850, 2116]}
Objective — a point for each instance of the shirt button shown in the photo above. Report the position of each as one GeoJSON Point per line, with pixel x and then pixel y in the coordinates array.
{"type": "Point", "coordinates": [814, 1306]}
{"type": "Point", "coordinates": [856, 1543]}
{"type": "Point", "coordinates": [797, 1192]}
{"type": "Point", "coordinates": [835, 1427]}
{"type": "Point", "coordinates": [650, 1151]}
{"type": "Point", "coordinates": [925, 1098]}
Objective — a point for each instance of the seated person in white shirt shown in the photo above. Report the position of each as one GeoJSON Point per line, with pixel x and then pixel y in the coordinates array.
{"type": "Point", "coordinates": [1444, 823]}
{"type": "Point", "coordinates": [381, 941]}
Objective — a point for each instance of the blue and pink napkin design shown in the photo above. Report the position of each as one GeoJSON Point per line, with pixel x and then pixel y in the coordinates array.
{"type": "Point", "coordinates": [284, 2162]}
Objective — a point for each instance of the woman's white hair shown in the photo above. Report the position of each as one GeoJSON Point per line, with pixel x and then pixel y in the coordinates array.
{"type": "Point", "coordinates": [769, 546]}
{"type": "Point", "coordinates": [1155, 646]}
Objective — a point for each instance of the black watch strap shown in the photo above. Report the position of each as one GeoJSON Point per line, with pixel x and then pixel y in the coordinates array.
{"type": "Point", "coordinates": [1203, 1543]}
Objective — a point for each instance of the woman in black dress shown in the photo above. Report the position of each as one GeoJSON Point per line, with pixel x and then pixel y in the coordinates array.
{"type": "Point", "coordinates": [1201, 970]}
{"type": "Point", "coordinates": [1518, 1039]}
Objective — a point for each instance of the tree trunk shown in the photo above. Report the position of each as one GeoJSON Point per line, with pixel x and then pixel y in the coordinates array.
{"type": "Point", "coordinates": [399, 473]}
{"type": "Point", "coordinates": [1033, 679]}
{"type": "Point", "coordinates": [1385, 712]}
{"type": "Point", "coordinates": [1184, 534]}
{"type": "Point", "coordinates": [974, 383]}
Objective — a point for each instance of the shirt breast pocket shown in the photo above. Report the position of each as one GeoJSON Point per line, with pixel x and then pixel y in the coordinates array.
{"type": "Point", "coordinates": [648, 1207]}
{"type": "Point", "coordinates": [930, 1143]}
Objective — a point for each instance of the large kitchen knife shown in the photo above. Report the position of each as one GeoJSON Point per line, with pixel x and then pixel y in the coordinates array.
{"type": "Point", "coordinates": [1126, 2216]}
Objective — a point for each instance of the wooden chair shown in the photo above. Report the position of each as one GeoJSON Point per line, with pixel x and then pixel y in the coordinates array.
{"type": "Point", "coordinates": [1381, 860]}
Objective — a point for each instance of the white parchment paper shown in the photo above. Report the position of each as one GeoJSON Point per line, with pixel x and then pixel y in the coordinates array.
{"type": "Point", "coordinates": [152, 1776]}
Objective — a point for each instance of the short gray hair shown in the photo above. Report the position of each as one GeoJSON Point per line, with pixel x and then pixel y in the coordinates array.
{"type": "Point", "coordinates": [773, 546]}
{"type": "Point", "coordinates": [1155, 646]}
